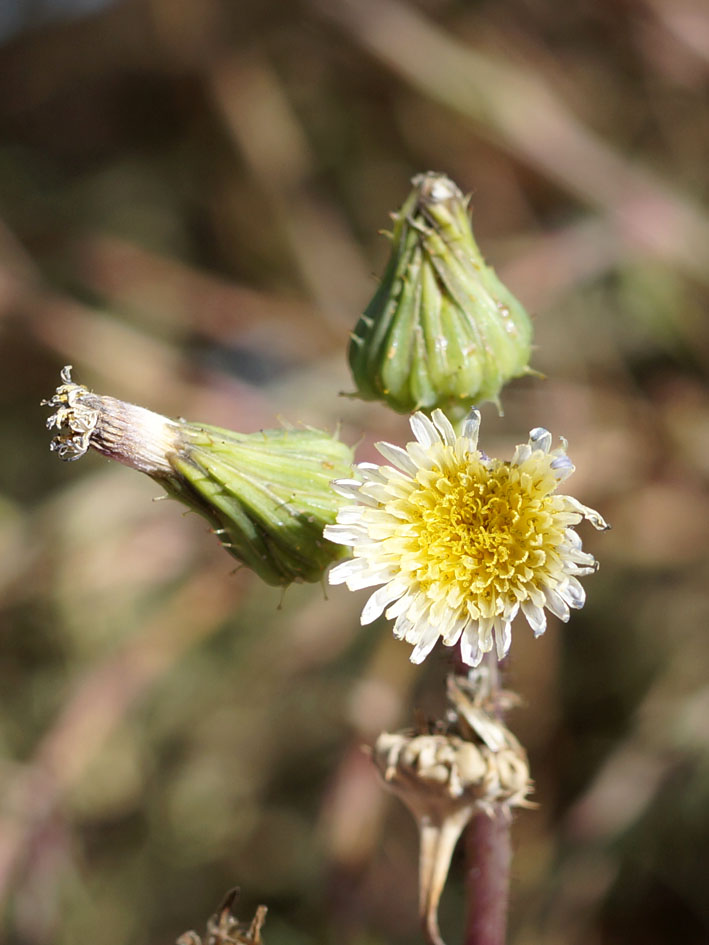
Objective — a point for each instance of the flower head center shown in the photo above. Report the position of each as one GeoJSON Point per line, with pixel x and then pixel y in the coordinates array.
{"type": "Point", "coordinates": [482, 524]}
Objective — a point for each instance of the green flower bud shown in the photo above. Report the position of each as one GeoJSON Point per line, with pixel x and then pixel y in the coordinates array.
{"type": "Point", "coordinates": [441, 329]}
{"type": "Point", "coordinates": [266, 494]}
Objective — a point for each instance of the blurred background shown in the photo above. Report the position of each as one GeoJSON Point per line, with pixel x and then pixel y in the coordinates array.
{"type": "Point", "coordinates": [190, 199]}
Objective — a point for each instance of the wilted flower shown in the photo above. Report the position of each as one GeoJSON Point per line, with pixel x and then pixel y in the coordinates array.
{"type": "Point", "coordinates": [449, 768]}
{"type": "Point", "coordinates": [462, 542]}
{"type": "Point", "coordinates": [471, 766]}
{"type": "Point", "coordinates": [267, 494]}
{"type": "Point", "coordinates": [441, 329]}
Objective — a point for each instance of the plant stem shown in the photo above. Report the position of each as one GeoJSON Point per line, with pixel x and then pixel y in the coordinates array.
{"type": "Point", "coordinates": [488, 855]}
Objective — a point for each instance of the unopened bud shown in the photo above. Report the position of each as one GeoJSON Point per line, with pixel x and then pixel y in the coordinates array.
{"type": "Point", "coordinates": [266, 494]}
{"type": "Point", "coordinates": [441, 329]}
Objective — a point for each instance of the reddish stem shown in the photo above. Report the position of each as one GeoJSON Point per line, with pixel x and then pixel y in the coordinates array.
{"type": "Point", "coordinates": [488, 854]}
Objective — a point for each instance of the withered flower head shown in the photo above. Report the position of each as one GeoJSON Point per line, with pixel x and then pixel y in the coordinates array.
{"type": "Point", "coordinates": [471, 766]}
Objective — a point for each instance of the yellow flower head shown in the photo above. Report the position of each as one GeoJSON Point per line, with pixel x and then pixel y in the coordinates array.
{"type": "Point", "coordinates": [461, 542]}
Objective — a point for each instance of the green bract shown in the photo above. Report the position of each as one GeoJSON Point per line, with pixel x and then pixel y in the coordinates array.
{"type": "Point", "coordinates": [441, 329]}
{"type": "Point", "coordinates": [267, 494]}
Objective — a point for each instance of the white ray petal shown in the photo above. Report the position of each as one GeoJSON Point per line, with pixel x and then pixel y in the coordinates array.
{"type": "Point", "coordinates": [378, 492]}
{"type": "Point", "coordinates": [342, 572]}
{"type": "Point", "coordinates": [424, 431]}
{"type": "Point", "coordinates": [582, 570]}
{"type": "Point", "coordinates": [380, 599]}
{"type": "Point", "coordinates": [348, 488]}
{"type": "Point", "coordinates": [444, 427]}
{"type": "Point", "coordinates": [370, 471]}
{"type": "Point", "coordinates": [595, 518]}
{"type": "Point", "coordinates": [471, 428]}
{"type": "Point", "coordinates": [540, 439]}
{"type": "Point", "coordinates": [574, 594]}
{"type": "Point", "coordinates": [556, 604]}
{"type": "Point", "coordinates": [511, 610]}
{"type": "Point", "coordinates": [370, 578]}
{"type": "Point", "coordinates": [402, 626]}
{"type": "Point", "coordinates": [423, 457]}
{"type": "Point", "coordinates": [485, 631]}
{"type": "Point", "coordinates": [399, 607]}
{"type": "Point", "coordinates": [398, 456]}
{"type": "Point", "coordinates": [452, 634]}
{"type": "Point", "coordinates": [503, 637]}
{"type": "Point", "coordinates": [536, 618]}
{"type": "Point", "coordinates": [562, 467]}
{"type": "Point", "coordinates": [426, 642]}
{"type": "Point", "coordinates": [521, 454]}
{"type": "Point", "coordinates": [470, 651]}
{"type": "Point", "coordinates": [349, 515]}
{"type": "Point", "coordinates": [345, 534]}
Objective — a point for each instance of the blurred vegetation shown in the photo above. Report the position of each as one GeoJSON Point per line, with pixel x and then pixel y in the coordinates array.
{"type": "Point", "coordinates": [190, 194]}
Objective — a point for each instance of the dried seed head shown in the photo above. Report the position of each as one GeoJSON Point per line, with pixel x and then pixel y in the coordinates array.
{"type": "Point", "coordinates": [443, 771]}
{"type": "Point", "coordinates": [447, 776]}
{"type": "Point", "coordinates": [473, 761]}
